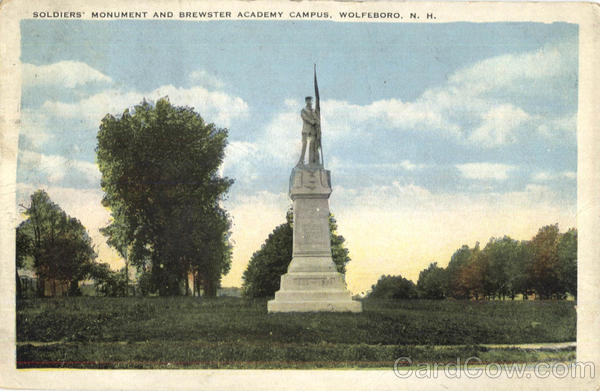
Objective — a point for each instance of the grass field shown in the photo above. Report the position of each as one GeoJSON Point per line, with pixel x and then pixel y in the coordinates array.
{"type": "Point", "coordinates": [188, 332]}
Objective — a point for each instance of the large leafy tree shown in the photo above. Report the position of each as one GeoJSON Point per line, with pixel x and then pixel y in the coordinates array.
{"type": "Point", "coordinates": [59, 245]}
{"type": "Point", "coordinates": [267, 265]}
{"type": "Point", "coordinates": [160, 174]}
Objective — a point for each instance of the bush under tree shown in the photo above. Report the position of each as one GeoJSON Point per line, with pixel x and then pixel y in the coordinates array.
{"type": "Point", "coordinates": [393, 287]}
{"type": "Point", "coordinates": [432, 283]}
{"type": "Point", "coordinates": [263, 274]}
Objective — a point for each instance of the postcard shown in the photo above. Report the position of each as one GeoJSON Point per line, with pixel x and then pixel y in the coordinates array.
{"type": "Point", "coordinates": [299, 194]}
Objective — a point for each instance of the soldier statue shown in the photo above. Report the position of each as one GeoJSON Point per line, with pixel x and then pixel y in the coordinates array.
{"type": "Point", "coordinates": [311, 133]}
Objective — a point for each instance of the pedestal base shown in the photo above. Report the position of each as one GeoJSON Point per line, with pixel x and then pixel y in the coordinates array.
{"type": "Point", "coordinates": [312, 282]}
{"type": "Point", "coordinates": [313, 291]}
{"type": "Point", "coordinates": [317, 306]}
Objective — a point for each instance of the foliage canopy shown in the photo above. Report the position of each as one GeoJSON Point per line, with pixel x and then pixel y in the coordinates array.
{"type": "Point", "coordinates": [58, 244]}
{"type": "Point", "coordinates": [159, 166]}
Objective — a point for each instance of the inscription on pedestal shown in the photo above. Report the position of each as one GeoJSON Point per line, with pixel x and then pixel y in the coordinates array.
{"type": "Point", "coordinates": [313, 236]}
{"type": "Point", "coordinates": [319, 282]}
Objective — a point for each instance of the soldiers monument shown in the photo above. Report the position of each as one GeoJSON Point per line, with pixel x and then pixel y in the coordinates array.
{"type": "Point", "coordinates": [312, 282]}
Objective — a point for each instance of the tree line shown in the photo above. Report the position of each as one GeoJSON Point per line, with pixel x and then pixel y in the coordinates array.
{"type": "Point", "coordinates": [545, 266]}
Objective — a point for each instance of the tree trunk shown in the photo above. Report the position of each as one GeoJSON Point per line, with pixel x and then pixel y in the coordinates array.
{"type": "Point", "coordinates": [40, 287]}
{"type": "Point", "coordinates": [126, 278]}
{"type": "Point", "coordinates": [19, 287]}
{"type": "Point", "coordinates": [73, 288]}
{"type": "Point", "coordinates": [195, 285]}
{"type": "Point", "coordinates": [187, 284]}
{"type": "Point", "coordinates": [210, 288]}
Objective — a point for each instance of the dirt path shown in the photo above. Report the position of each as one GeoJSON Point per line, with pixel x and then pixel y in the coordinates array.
{"type": "Point", "coordinates": [533, 346]}
{"type": "Point", "coordinates": [536, 346]}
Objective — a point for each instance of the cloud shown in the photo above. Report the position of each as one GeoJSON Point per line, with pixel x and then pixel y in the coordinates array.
{"type": "Point", "coordinates": [344, 118]}
{"type": "Point", "coordinates": [214, 106]}
{"type": "Point", "coordinates": [242, 159]}
{"type": "Point", "coordinates": [286, 128]}
{"type": "Point", "coordinates": [545, 176]}
{"type": "Point", "coordinates": [407, 165]}
{"type": "Point", "coordinates": [38, 168]}
{"type": "Point", "coordinates": [485, 171]}
{"type": "Point", "coordinates": [67, 74]}
{"type": "Point", "coordinates": [499, 125]}
{"type": "Point", "coordinates": [34, 128]}
{"type": "Point", "coordinates": [205, 79]}
{"type": "Point", "coordinates": [336, 163]}
{"type": "Point", "coordinates": [508, 69]}
{"type": "Point", "coordinates": [562, 128]}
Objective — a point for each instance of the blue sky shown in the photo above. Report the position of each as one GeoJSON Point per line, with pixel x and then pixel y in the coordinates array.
{"type": "Point", "coordinates": [454, 132]}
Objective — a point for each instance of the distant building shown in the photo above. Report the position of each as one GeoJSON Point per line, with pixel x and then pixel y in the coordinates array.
{"type": "Point", "coordinates": [28, 282]}
{"type": "Point", "coordinates": [31, 284]}
{"type": "Point", "coordinates": [230, 291]}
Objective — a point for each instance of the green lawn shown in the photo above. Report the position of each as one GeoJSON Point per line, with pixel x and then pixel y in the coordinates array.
{"type": "Point", "coordinates": [95, 332]}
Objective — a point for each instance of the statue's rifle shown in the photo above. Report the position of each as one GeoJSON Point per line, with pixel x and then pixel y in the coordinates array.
{"type": "Point", "coordinates": [318, 112]}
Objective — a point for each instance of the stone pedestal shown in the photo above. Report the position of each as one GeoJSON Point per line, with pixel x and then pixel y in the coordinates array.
{"type": "Point", "coordinates": [312, 282]}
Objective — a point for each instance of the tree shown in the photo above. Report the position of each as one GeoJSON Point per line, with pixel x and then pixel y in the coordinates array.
{"type": "Point", "coordinates": [160, 174]}
{"type": "Point", "coordinates": [393, 287]}
{"type": "Point", "coordinates": [339, 252]}
{"type": "Point", "coordinates": [23, 249]}
{"type": "Point", "coordinates": [118, 237]}
{"type": "Point", "coordinates": [267, 265]}
{"type": "Point", "coordinates": [475, 276]}
{"type": "Point", "coordinates": [567, 260]}
{"type": "Point", "coordinates": [433, 282]}
{"type": "Point", "coordinates": [109, 282]}
{"type": "Point", "coordinates": [457, 263]}
{"type": "Point", "coordinates": [544, 268]}
{"type": "Point", "coordinates": [60, 246]}
{"type": "Point", "coordinates": [517, 266]}
{"type": "Point", "coordinates": [508, 262]}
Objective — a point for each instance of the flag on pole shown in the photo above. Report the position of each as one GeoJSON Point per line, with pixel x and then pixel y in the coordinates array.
{"type": "Point", "coordinates": [318, 104]}
{"type": "Point", "coordinates": [318, 111]}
